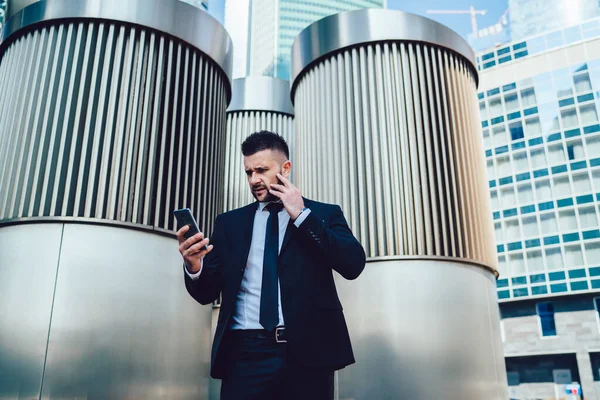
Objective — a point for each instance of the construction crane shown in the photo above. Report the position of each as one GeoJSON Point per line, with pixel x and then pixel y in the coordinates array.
{"type": "Point", "coordinates": [471, 11]}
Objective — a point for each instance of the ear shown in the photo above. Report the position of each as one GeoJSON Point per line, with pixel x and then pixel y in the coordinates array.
{"type": "Point", "coordinates": [286, 168]}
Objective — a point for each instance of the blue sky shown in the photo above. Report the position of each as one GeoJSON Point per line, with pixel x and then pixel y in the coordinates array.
{"type": "Point", "coordinates": [458, 23]}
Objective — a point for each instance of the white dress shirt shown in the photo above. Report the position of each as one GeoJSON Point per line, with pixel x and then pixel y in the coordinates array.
{"type": "Point", "coordinates": [247, 308]}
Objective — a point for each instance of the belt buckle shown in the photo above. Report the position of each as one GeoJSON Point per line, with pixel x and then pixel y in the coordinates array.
{"type": "Point", "coordinates": [277, 330]}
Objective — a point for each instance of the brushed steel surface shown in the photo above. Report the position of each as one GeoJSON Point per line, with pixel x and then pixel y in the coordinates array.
{"type": "Point", "coordinates": [386, 126]}
{"type": "Point", "coordinates": [122, 324]}
{"type": "Point", "coordinates": [409, 172]}
{"type": "Point", "coordinates": [29, 258]}
{"type": "Point", "coordinates": [173, 17]}
{"type": "Point", "coordinates": [423, 330]}
{"type": "Point", "coordinates": [257, 103]}
{"type": "Point", "coordinates": [101, 120]}
{"type": "Point", "coordinates": [261, 93]}
{"type": "Point", "coordinates": [352, 28]}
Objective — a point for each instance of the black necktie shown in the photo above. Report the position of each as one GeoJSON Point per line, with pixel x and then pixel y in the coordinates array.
{"type": "Point", "coordinates": [269, 310]}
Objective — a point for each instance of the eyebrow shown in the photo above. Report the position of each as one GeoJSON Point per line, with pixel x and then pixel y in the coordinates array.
{"type": "Point", "coordinates": [259, 167]}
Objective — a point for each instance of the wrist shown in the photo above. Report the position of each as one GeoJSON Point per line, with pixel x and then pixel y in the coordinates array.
{"type": "Point", "coordinates": [300, 213]}
{"type": "Point", "coordinates": [192, 269]}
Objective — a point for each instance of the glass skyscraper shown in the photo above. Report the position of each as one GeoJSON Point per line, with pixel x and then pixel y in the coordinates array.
{"type": "Point", "coordinates": [532, 17]}
{"type": "Point", "coordinates": [274, 24]}
{"type": "Point", "coordinates": [542, 141]}
{"type": "Point", "coordinates": [539, 102]}
{"type": "Point", "coordinates": [295, 15]}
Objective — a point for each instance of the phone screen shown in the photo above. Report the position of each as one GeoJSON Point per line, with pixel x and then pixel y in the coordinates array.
{"type": "Point", "coordinates": [184, 217]}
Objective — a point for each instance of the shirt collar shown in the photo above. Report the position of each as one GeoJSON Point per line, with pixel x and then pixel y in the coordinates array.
{"type": "Point", "coordinates": [263, 204]}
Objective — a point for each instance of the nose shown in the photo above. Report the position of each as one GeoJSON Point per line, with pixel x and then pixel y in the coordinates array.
{"type": "Point", "coordinates": [254, 178]}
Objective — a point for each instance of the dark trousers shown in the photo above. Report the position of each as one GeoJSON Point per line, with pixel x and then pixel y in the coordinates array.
{"type": "Point", "coordinates": [262, 369]}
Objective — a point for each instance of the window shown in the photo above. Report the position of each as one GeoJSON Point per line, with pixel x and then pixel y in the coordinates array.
{"type": "Point", "coordinates": [525, 193]}
{"type": "Point", "coordinates": [508, 198]}
{"type": "Point", "coordinates": [520, 160]}
{"type": "Point", "coordinates": [503, 164]}
{"type": "Point", "coordinates": [562, 80]}
{"type": "Point", "coordinates": [592, 252]}
{"type": "Point", "coordinates": [483, 111]}
{"type": "Point", "coordinates": [589, 115]}
{"type": "Point", "coordinates": [500, 137]}
{"type": "Point", "coordinates": [517, 264]}
{"type": "Point", "coordinates": [548, 223]}
{"type": "Point", "coordinates": [542, 190]}
{"type": "Point", "coordinates": [562, 186]}
{"type": "Point", "coordinates": [495, 108]}
{"type": "Point", "coordinates": [502, 266]}
{"type": "Point", "coordinates": [556, 154]}
{"type": "Point", "coordinates": [554, 258]}
{"type": "Point", "coordinates": [490, 169]}
{"type": "Point", "coordinates": [528, 97]}
{"type": "Point", "coordinates": [569, 118]}
{"type": "Point", "coordinates": [582, 83]}
{"type": "Point", "coordinates": [572, 35]}
{"type": "Point", "coordinates": [534, 261]}
{"type": "Point", "coordinates": [545, 312]}
{"type": "Point", "coordinates": [487, 140]}
{"type": "Point", "coordinates": [543, 87]}
{"type": "Point", "coordinates": [593, 145]}
{"type": "Point", "coordinates": [567, 220]}
{"type": "Point", "coordinates": [549, 116]}
{"type": "Point", "coordinates": [530, 227]}
{"type": "Point", "coordinates": [511, 102]}
{"type": "Point", "coordinates": [575, 150]}
{"type": "Point", "coordinates": [499, 232]}
{"type": "Point", "coordinates": [516, 130]}
{"type": "Point", "coordinates": [573, 256]}
{"type": "Point", "coordinates": [533, 127]}
{"type": "Point", "coordinates": [494, 199]}
{"type": "Point", "coordinates": [538, 159]}
{"type": "Point", "coordinates": [581, 183]}
{"type": "Point", "coordinates": [512, 230]}
{"type": "Point", "coordinates": [587, 217]}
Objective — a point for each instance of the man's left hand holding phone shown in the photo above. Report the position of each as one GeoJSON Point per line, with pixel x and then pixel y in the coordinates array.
{"type": "Point", "coordinates": [193, 246]}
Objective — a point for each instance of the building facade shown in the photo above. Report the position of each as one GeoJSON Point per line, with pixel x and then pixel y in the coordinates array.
{"type": "Point", "coordinates": [539, 101]}
{"type": "Point", "coordinates": [532, 17]}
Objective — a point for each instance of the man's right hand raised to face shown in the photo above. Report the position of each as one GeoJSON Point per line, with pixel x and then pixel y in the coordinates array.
{"type": "Point", "coordinates": [192, 249]}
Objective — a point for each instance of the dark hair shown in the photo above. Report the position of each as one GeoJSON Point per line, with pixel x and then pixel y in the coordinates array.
{"type": "Point", "coordinates": [264, 140]}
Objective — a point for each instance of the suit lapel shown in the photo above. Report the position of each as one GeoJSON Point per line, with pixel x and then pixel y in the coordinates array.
{"type": "Point", "coordinates": [246, 227]}
{"type": "Point", "coordinates": [289, 231]}
{"type": "Point", "coordinates": [291, 228]}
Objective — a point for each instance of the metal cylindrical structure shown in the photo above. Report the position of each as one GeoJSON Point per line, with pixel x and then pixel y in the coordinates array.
{"type": "Point", "coordinates": [387, 127]}
{"type": "Point", "coordinates": [257, 103]}
{"type": "Point", "coordinates": [112, 115]}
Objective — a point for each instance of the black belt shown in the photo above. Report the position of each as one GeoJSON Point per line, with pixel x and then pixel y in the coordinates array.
{"type": "Point", "coordinates": [279, 335]}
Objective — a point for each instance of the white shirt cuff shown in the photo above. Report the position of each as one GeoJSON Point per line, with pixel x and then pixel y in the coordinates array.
{"type": "Point", "coordinates": [197, 274]}
{"type": "Point", "coordinates": [301, 217]}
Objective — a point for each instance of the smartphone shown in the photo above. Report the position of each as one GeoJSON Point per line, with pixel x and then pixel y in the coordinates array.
{"type": "Point", "coordinates": [184, 217]}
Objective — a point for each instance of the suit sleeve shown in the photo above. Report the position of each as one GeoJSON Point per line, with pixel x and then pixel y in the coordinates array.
{"type": "Point", "coordinates": [335, 242]}
{"type": "Point", "coordinates": [207, 287]}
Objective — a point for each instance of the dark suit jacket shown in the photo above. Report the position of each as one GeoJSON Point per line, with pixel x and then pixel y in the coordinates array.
{"type": "Point", "coordinates": [314, 321]}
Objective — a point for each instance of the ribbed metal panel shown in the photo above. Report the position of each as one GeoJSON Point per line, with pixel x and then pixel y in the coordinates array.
{"type": "Point", "coordinates": [395, 127]}
{"type": "Point", "coordinates": [110, 121]}
{"type": "Point", "coordinates": [240, 124]}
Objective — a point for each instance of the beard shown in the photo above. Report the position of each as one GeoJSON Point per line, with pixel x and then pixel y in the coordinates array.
{"type": "Point", "coordinates": [268, 196]}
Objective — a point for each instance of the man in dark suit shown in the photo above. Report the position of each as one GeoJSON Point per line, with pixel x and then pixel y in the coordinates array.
{"type": "Point", "coordinates": [281, 332]}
